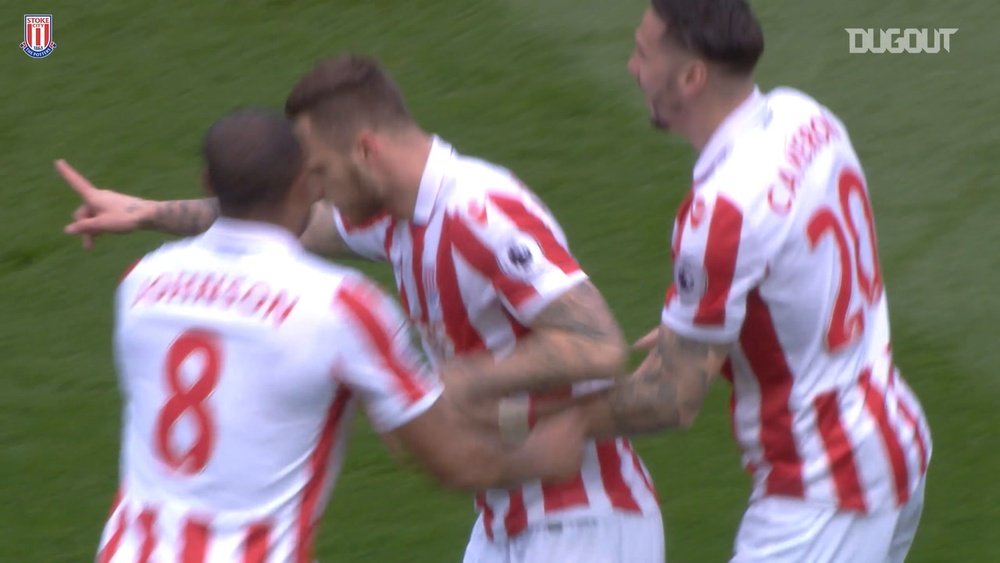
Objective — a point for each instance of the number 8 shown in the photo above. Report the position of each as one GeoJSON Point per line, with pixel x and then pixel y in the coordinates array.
{"type": "Point", "coordinates": [189, 399]}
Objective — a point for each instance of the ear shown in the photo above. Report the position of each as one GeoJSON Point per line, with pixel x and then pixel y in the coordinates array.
{"type": "Point", "coordinates": [368, 144]}
{"type": "Point", "coordinates": [695, 76]}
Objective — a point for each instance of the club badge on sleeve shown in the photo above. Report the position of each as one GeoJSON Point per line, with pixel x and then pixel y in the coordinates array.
{"type": "Point", "coordinates": [38, 41]}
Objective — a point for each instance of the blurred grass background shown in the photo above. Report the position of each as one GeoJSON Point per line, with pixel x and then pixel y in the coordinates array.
{"type": "Point", "coordinates": [539, 86]}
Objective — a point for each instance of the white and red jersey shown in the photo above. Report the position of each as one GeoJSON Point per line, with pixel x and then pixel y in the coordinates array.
{"type": "Point", "coordinates": [239, 359]}
{"type": "Point", "coordinates": [480, 258]}
{"type": "Point", "coordinates": [775, 251]}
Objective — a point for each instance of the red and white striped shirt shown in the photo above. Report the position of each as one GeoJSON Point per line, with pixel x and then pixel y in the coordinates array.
{"type": "Point", "coordinates": [775, 251]}
{"type": "Point", "coordinates": [239, 357]}
{"type": "Point", "coordinates": [480, 258]}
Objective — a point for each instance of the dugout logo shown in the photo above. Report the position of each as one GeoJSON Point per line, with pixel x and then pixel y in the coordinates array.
{"type": "Point", "coordinates": [895, 40]}
{"type": "Point", "coordinates": [38, 41]}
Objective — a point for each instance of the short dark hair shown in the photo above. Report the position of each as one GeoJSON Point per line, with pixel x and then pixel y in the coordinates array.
{"type": "Point", "coordinates": [252, 158]}
{"type": "Point", "coordinates": [346, 93]}
{"type": "Point", "coordinates": [724, 32]}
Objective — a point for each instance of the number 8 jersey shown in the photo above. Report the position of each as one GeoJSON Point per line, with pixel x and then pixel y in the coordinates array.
{"type": "Point", "coordinates": [774, 250]}
{"type": "Point", "coordinates": [239, 359]}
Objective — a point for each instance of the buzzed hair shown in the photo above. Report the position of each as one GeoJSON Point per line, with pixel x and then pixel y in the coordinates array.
{"type": "Point", "coordinates": [725, 32]}
{"type": "Point", "coordinates": [345, 93]}
{"type": "Point", "coordinates": [252, 158]}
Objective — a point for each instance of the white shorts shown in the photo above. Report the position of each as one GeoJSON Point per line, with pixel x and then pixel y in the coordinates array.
{"type": "Point", "coordinates": [611, 538]}
{"type": "Point", "coordinates": [780, 530]}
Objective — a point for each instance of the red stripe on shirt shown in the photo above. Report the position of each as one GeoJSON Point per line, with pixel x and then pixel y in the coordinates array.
{"type": "Point", "coordinates": [611, 477]}
{"type": "Point", "coordinates": [721, 250]}
{"type": "Point", "coordinates": [417, 257]}
{"type": "Point", "coordinates": [464, 337]}
{"type": "Point", "coordinates": [360, 304]}
{"type": "Point", "coordinates": [114, 542]}
{"type": "Point", "coordinates": [532, 225]}
{"type": "Point", "coordinates": [147, 521]}
{"type": "Point", "coordinates": [318, 467]}
{"type": "Point", "coordinates": [839, 453]}
{"type": "Point", "coordinates": [572, 492]}
{"type": "Point", "coordinates": [911, 420]}
{"type": "Point", "coordinates": [875, 404]}
{"type": "Point", "coordinates": [482, 258]}
{"type": "Point", "coordinates": [487, 514]}
{"type": "Point", "coordinates": [760, 344]}
{"type": "Point", "coordinates": [194, 541]}
{"type": "Point", "coordinates": [516, 519]}
{"type": "Point", "coordinates": [256, 544]}
{"type": "Point", "coordinates": [637, 464]}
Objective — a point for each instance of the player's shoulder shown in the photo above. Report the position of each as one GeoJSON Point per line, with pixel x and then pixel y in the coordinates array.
{"type": "Point", "coordinates": [792, 122]}
{"type": "Point", "coordinates": [167, 255]}
{"type": "Point", "coordinates": [479, 186]}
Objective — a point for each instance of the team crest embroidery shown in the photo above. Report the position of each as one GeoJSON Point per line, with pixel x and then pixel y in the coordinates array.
{"type": "Point", "coordinates": [38, 41]}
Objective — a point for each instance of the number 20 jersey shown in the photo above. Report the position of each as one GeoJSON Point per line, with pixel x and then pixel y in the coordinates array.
{"type": "Point", "coordinates": [240, 358]}
{"type": "Point", "coordinates": [775, 252]}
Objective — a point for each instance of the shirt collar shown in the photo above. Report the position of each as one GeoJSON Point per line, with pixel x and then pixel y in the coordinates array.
{"type": "Point", "coordinates": [718, 144]}
{"type": "Point", "coordinates": [432, 180]}
{"type": "Point", "coordinates": [228, 231]}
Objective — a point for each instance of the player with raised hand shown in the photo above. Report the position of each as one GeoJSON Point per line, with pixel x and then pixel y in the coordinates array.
{"type": "Point", "coordinates": [484, 272]}
{"type": "Point", "coordinates": [241, 358]}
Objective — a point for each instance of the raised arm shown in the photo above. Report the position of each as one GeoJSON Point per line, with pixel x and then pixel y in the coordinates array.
{"type": "Point", "coordinates": [107, 211]}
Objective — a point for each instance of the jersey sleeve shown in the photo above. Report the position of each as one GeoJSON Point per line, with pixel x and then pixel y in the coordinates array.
{"type": "Point", "coordinates": [376, 358]}
{"type": "Point", "coordinates": [368, 239]}
{"type": "Point", "coordinates": [717, 263]}
{"type": "Point", "coordinates": [515, 243]}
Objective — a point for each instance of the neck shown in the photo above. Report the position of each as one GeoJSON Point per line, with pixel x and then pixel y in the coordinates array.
{"type": "Point", "coordinates": [281, 218]}
{"type": "Point", "coordinates": [409, 156]}
{"type": "Point", "coordinates": [715, 110]}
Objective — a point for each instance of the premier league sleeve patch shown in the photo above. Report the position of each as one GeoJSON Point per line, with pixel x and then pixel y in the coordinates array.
{"type": "Point", "coordinates": [520, 257]}
{"type": "Point", "coordinates": [690, 280]}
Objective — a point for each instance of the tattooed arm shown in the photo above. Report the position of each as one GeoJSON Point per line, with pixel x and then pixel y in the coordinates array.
{"type": "Point", "coordinates": [666, 391]}
{"type": "Point", "coordinates": [574, 338]}
{"type": "Point", "coordinates": [108, 211]}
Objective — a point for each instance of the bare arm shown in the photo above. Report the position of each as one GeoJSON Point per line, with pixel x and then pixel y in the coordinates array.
{"type": "Point", "coordinates": [321, 236]}
{"type": "Point", "coordinates": [666, 391]}
{"type": "Point", "coordinates": [575, 338]}
{"type": "Point", "coordinates": [108, 211]}
{"type": "Point", "coordinates": [462, 457]}
{"type": "Point", "coordinates": [183, 217]}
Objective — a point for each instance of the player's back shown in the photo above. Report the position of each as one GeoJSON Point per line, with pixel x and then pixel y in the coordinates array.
{"type": "Point", "coordinates": [819, 409]}
{"type": "Point", "coordinates": [226, 353]}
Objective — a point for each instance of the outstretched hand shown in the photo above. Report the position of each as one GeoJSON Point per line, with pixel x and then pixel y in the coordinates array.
{"type": "Point", "coordinates": [101, 211]}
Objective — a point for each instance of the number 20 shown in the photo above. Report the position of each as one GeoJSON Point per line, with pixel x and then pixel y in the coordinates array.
{"type": "Point", "coordinates": [846, 326]}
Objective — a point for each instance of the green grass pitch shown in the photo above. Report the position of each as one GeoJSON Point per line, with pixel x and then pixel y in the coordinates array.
{"type": "Point", "coordinates": [537, 85]}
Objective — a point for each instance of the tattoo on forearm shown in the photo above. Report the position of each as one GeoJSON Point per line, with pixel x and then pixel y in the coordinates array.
{"type": "Point", "coordinates": [562, 348]}
{"type": "Point", "coordinates": [668, 388]}
{"type": "Point", "coordinates": [581, 311]}
{"type": "Point", "coordinates": [185, 217]}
